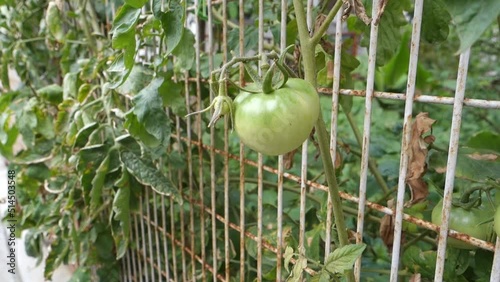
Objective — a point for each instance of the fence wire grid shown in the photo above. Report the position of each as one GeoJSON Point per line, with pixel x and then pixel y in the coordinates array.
{"type": "Point", "coordinates": [199, 241]}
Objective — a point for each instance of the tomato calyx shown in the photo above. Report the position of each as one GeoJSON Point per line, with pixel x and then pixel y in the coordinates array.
{"type": "Point", "coordinates": [222, 104]}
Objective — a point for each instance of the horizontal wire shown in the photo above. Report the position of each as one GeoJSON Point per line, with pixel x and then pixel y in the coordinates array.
{"type": "Point", "coordinates": [420, 222]}
{"type": "Point", "coordinates": [178, 243]}
{"type": "Point", "coordinates": [232, 225]}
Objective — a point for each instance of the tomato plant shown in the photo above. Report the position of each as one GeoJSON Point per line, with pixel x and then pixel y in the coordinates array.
{"type": "Point", "coordinates": [472, 222]}
{"type": "Point", "coordinates": [277, 122]}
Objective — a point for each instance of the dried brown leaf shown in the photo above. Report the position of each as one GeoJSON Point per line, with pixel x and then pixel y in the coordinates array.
{"type": "Point", "coordinates": [483, 157]}
{"type": "Point", "coordinates": [386, 229]}
{"type": "Point", "coordinates": [416, 277]}
{"type": "Point", "coordinates": [360, 11]}
{"type": "Point", "coordinates": [288, 159]}
{"type": "Point", "coordinates": [417, 166]}
{"type": "Point", "coordinates": [381, 10]}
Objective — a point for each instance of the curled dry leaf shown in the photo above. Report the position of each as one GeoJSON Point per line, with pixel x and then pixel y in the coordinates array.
{"type": "Point", "coordinates": [381, 10]}
{"type": "Point", "coordinates": [359, 9]}
{"type": "Point", "coordinates": [386, 229]}
{"type": "Point", "coordinates": [417, 156]}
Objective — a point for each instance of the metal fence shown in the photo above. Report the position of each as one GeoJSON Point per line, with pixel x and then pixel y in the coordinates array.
{"type": "Point", "coordinates": [179, 243]}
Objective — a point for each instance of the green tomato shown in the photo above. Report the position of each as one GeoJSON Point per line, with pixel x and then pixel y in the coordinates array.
{"type": "Point", "coordinates": [278, 122]}
{"type": "Point", "coordinates": [472, 222]}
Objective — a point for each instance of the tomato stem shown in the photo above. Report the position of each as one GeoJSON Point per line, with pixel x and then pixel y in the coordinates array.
{"type": "Point", "coordinates": [308, 45]}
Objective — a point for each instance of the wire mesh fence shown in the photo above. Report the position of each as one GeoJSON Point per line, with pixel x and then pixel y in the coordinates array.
{"type": "Point", "coordinates": [242, 209]}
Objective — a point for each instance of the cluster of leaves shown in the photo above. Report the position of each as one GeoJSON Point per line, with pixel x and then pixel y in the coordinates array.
{"type": "Point", "coordinates": [84, 143]}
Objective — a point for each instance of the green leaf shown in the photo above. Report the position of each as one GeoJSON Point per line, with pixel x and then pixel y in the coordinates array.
{"type": "Point", "coordinates": [122, 70]}
{"type": "Point", "coordinates": [123, 29]}
{"type": "Point", "coordinates": [149, 175]}
{"type": "Point", "coordinates": [83, 92]}
{"type": "Point", "coordinates": [472, 164]}
{"type": "Point", "coordinates": [137, 130]}
{"type": "Point", "coordinates": [343, 258]}
{"type": "Point", "coordinates": [27, 123]}
{"type": "Point", "coordinates": [39, 172]}
{"type": "Point", "coordinates": [71, 84]}
{"type": "Point", "coordinates": [184, 52]}
{"type": "Point", "coordinates": [81, 274]}
{"type": "Point", "coordinates": [66, 110]}
{"type": "Point", "coordinates": [98, 184]}
{"type": "Point", "coordinates": [394, 73]}
{"type": "Point", "coordinates": [157, 12]}
{"type": "Point", "coordinates": [312, 240]}
{"type": "Point", "coordinates": [389, 34]}
{"type": "Point", "coordinates": [322, 276]}
{"type": "Point", "coordinates": [172, 96]}
{"type": "Point", "coordinates": [58, 251]}
{"type": "Point", "coordinates": [4, 77]}
{"type": "Point", "coordinates": [172, 22]}
{"type": "Point", "coordinates": [136, 3]}
{"type": "Point", "coordinates": [138, 79]}
{"type": "Point", "coordinates": [83, 134]}
{"type": "Point", "coordinates": [45, 124]}
{"type": "Point", "coordinates": [288, 256]}
{"type": "Point", "coordinates": [52, 93]}
{"type": "Point", "coordinates": [472, 18]}
{"type": "Point", "coordinates": [485, 140]}
{"type": "Point", "coordinates": [150, 113]}
{"type": "Point", "coordinates": [54, 21]}
{"type": "Point", "coordinates": [121, 208]}
{"type": "Point", "coordinates": [435, 21]}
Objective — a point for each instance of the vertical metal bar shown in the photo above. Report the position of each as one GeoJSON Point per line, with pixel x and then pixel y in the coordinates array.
{"type": "Point", "coordinates": [165, 240]}
{"type": "Point", "coordinates": [127, 267]}
{"type": "Point", "coordinates": [157, 239]}
{"type": "Point", "coordinates": [334, 118]}
{"type": "Point", "coordinates": [189, 157]}
{"type": "Point", "coordinates": [452, 161]}
{"type": "Point", "coordinates": [131, 251]}
{"type": "Point", "coordinates": [150, 241]}
{"type": "Point", "coordinates": [143, 240]}
{"type": "Point", "coordinates": [242, 148]}
{"type": "Point", "coordinates": [200, 141]}
{"type": "Point", "coordinates": [259, 161]}
{"type": "Point", "coordinates": [309, 18]}
{"type": "Point", "coordinates": [279, 218]}
{"type": "Point", "coordinates": [181, 224]}
{"type": "Point", "coordinates": [403, 166]}
{"type": "Point", "coordinates": [365, 152]}
{"type": "Point", "coordinates": [303, 192]}
{"type": "Point", "coordinates": [495, 270]}
{"type": "Point", "coordinates": [212, 153]}
{"type": "Point", "coordinates": [137, 243]}
{"type": "Point", "coordinates": [172, 231]}
{"type": "Point", "coordinates": [227, 250]}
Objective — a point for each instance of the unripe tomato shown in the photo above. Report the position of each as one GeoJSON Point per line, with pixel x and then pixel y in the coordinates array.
{"type": "Point", "coordinates": [277, 122]}
{"type": "Point", "coordinates": [472, 222]}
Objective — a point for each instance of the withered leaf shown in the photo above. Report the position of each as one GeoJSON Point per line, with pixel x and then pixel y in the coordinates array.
{"type": "Point", "coordinates": [359, 10]}
{"type": "Point", "coordinates": [416, 277]}
{"type": "Point", "coordinates": [386, 229]}
{"type": "Point", "coordinates": [417, 156]}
